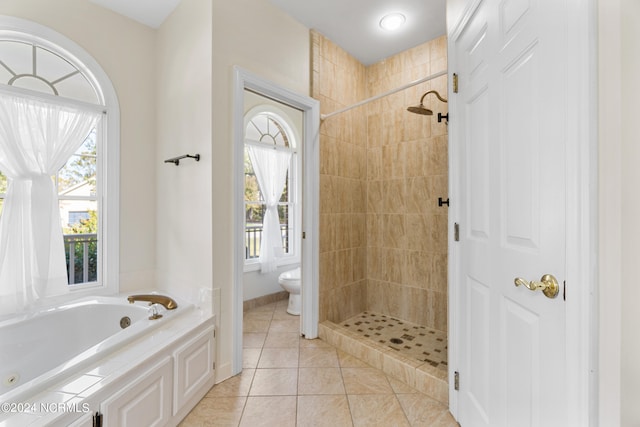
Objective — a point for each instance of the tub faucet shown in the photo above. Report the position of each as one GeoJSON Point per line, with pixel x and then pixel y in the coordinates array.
{"type": "Point", "coordinates": [163, 300]}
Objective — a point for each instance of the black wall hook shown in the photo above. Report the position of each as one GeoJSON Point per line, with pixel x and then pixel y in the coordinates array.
{"type": "Point", "coordinates": [176, 160]}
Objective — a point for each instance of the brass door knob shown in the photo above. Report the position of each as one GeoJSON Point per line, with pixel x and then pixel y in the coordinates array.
{"type": "Point", "coordinates": [548, 284]}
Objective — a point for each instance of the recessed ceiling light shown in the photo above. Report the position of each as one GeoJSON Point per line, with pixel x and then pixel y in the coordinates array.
{"type": "Point", "coordinates": [392, 21]}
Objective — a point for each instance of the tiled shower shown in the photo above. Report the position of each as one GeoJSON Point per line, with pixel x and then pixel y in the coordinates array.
{"type": "Point", "coordinates": [383, 235]}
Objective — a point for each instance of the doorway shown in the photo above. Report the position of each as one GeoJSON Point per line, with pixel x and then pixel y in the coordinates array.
{"type": "Point", "coordinates": [309, 152]}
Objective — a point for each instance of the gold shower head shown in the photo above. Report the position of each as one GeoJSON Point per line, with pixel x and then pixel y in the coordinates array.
{"type": "Point", "coordinates": [421, 109]}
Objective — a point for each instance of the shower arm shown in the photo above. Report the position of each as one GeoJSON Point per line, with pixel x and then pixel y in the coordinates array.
{"type": "Point", "coordinates": [382, 95]}
{"type": "Point", "coordinates": [433, 92]}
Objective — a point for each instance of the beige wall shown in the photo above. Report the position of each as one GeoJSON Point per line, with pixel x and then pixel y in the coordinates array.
{"type": "Point", "coordinates": [126, 52]}
{"type": "Point", "coordinates": [609, 212]}
{"type": "Point", "coordinates": [257, 36]}
{"type": "Point", "coordinates": [630, 212]}
{"type": "Point", "coordinates": [619, 210]}
{"type": "Point", "coordinates": [383, 240]}
{"type": "Point", "coordinates": [184, 104]}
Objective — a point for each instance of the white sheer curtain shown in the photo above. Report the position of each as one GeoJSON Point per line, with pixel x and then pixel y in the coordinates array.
{"type": "Point", "coordinates": [271, 167]}
{"type": "Point", "coordinates": [36, 140]}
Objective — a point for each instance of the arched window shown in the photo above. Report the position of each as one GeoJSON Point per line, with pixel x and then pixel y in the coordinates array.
{"type": "Point", "coordinates": [52, 91]}
{"type": "Point", "coordinates": [271, 177]}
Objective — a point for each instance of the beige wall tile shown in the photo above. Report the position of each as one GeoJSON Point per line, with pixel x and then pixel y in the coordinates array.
{"type": "Point", "coordinates": [382, 170]}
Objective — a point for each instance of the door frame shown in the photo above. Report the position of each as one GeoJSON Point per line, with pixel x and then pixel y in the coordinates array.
{"type": "Point", "coordinates": [310, 256]}
{"type": "Point", "coordinates": [581, 211]}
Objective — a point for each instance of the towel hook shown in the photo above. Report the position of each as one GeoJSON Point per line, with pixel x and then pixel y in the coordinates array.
{"type": "Point", "coordinates": [176, 160]}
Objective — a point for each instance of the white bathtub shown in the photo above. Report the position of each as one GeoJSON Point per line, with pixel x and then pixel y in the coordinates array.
{"type": "Point", "coordinates": [39, 348]}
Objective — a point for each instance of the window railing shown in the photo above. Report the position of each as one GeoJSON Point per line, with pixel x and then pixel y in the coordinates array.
{"type": "Point", "coordinates": [81, 251]}
{"type": "Point", "coordinates": [253, 237]}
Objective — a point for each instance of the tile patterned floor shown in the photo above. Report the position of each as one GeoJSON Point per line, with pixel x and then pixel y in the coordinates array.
{"type": "Point", "coordinates": [291, 381]}
{"type": "Point", "coordinates": [419, 342]}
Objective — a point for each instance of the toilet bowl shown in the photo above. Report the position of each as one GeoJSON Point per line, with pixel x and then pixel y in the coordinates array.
{"type": "Point", "coordinates": [290, 282]}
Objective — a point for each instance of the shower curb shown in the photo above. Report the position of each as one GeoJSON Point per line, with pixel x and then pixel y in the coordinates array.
{"type": "Point", "coordinates": [419, 375]}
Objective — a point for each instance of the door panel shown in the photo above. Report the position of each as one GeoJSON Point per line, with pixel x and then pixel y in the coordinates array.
{"type": "Point", "coordinates": [511, 104]}
{"type": "Point", "coordinates": [479, 335]}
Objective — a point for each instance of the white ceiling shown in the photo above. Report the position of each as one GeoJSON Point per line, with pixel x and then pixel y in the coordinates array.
{"type": "Point", "coordinates": [351, 24]}
{"type": "Point", "coordinates": [151, 13]}
{"type": "Point", "coordinates": [354, 24]}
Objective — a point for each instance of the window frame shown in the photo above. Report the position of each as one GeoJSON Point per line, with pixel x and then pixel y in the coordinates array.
{"type": "Point", "coordinates": [294, 184]}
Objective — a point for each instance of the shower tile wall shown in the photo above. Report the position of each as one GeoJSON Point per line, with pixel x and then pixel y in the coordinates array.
{"type": "Point", "coordinates": [383, 238]}
{"type": "Point", "coordinates": [407, 169]}
{"type": "Point", "coordinates": [339, 80]}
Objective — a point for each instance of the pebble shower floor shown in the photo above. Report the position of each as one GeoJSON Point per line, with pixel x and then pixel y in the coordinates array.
{"type": "Point", "coordinates": [419, 342]}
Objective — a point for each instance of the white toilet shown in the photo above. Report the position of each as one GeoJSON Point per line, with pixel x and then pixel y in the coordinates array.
{"type": "Point", "coordinates": [290, 282]}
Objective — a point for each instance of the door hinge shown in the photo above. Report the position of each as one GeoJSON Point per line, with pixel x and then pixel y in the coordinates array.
{"type": "Point", "coordinates": [97, 420]}
{"type": "Point", "coordinates": [456, 380]}
{"type": "Point", "coordinates": [304, 235]}
{"type": "Point", "coordinates": [214, 366]}
{"type": "Point", "coordinates": [455, 83]}
{"type": "Point", "coordinates": [456, 232]}
{"type": "Point", "coordinates": [564, 290]}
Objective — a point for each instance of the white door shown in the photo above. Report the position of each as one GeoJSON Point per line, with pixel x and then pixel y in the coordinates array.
{"type": "Point", "coordinates": [511, 110]}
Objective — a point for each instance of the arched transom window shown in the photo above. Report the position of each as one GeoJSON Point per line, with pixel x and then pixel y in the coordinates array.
{"type": "Point", "coordinates": [27, 65]}
{"type": "Point", "coordinates": [267, 129]}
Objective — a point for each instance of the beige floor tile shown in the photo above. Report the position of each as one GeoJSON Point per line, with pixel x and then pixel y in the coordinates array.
{"type": "Point", "coordinates": [274, 382]}
{"type": "Point", "coordinates": [422, 411]}
{"type": "Point", "coordinates": [316, 343]}
{"type": "Point", "coordinates": [282, 340]}
{"type": "Point", "coordinates": [320, 381]}
{"type": "Point", "coordinates": [318, 357]}
{"type": "Point", "coordinates": [324, 411]}
{"type": "Point", "coordinates": [348, 361]}
{"type": "Point", "coordinates": [255, 325]}
{"type": "Point", "coordinates": [399, 387]}
{"type": "Point", "coordinates": [218, 411]}
{"type": "Point", "coordinates": [281, 314]}
{"type": "Point", "coordinates": [286, 325]}
{"type": "Point", "coordinates": [377, 410]}
{"type": "Point", "coordinates": [309, 383]}
{"type": "Point", "coordinates": [365, 381]}
{"type": "Point", "coordinates": [282, 304]}
{"type": "Point", "coordinates": [269, 411]}
{"type": "Point", "coordinates": [250, 357]}
{"type": "Point", "coordinates": [267, 307]}
{"type": "Point", "coordinates": [257, 315]}
{"type": "Point", "coordinates": [238, 385]}
{"type": "Point", "coordinates": [253, 339]}
{"type": "Point", "coordinates": [278, 358]}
